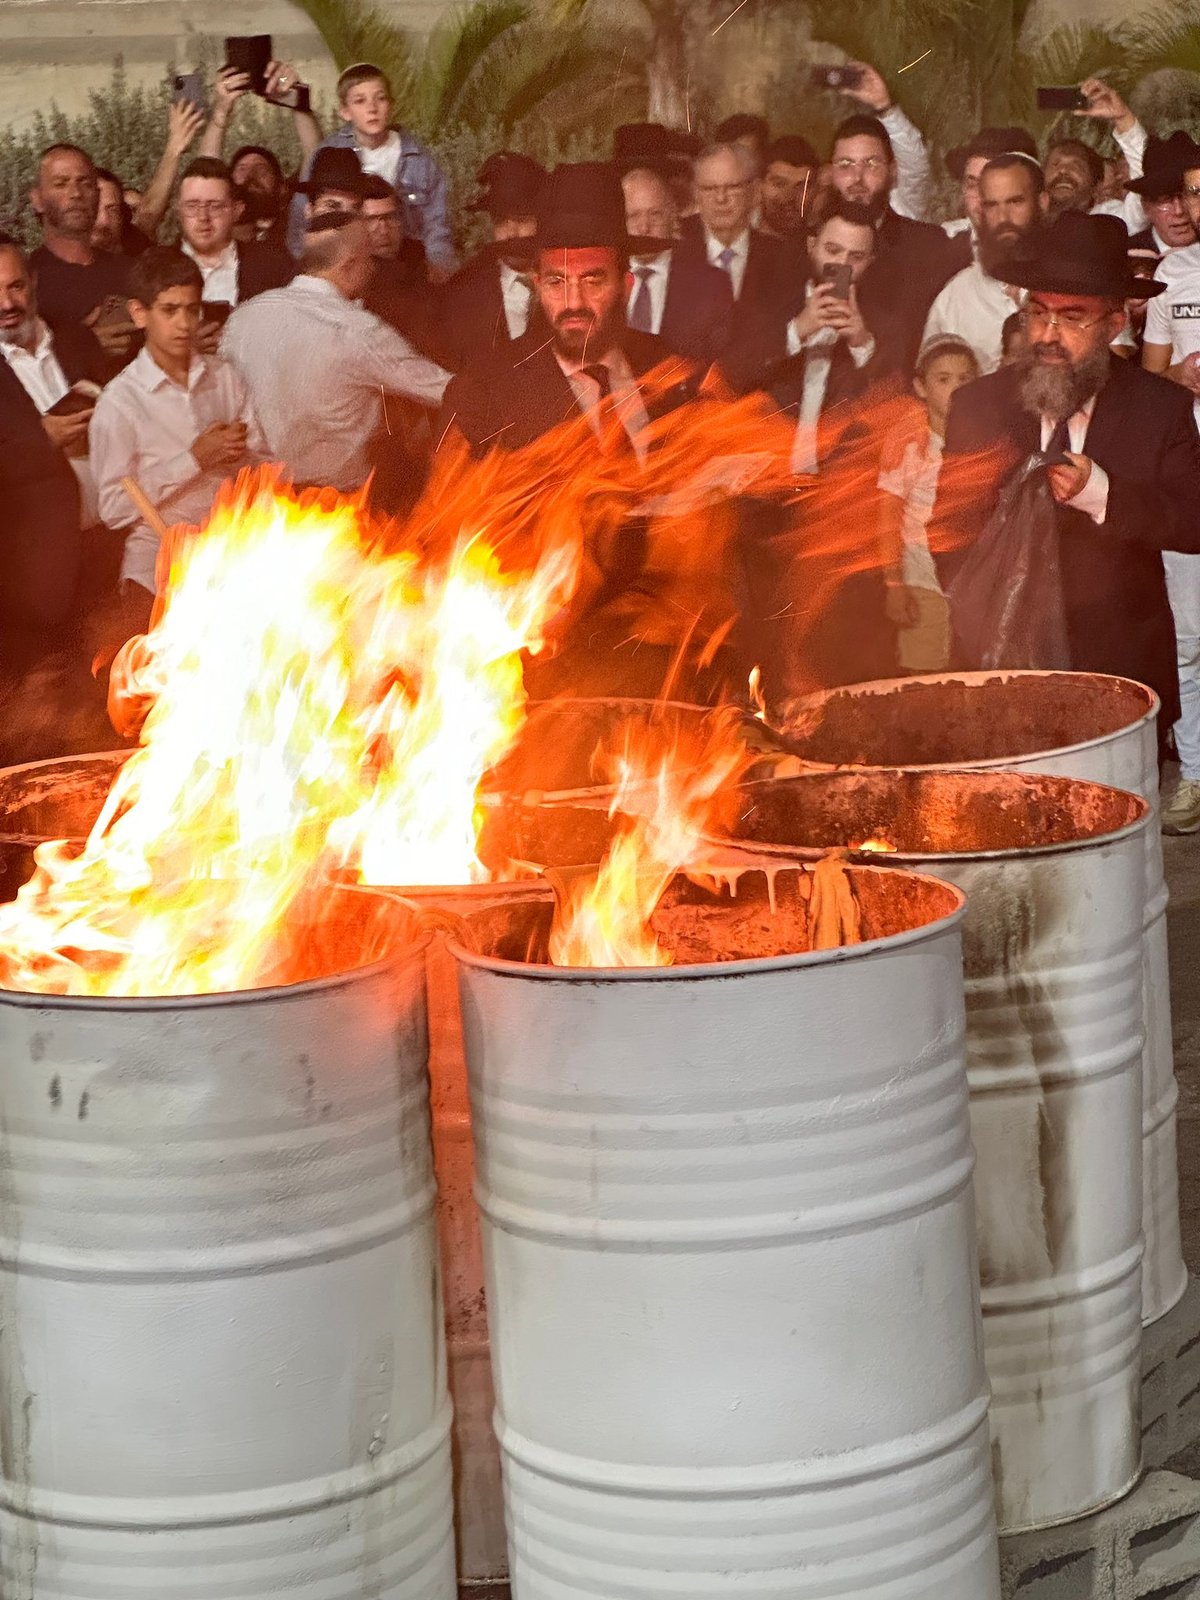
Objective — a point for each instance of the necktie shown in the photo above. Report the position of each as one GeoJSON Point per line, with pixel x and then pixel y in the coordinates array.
{"type": "Point", "coordinates": [641, 314]}
{"type": "Point", "coordinates": [1060, 440]}
{"type": "Point", "coordinates": [726, 258]}
{"type": "Point", "coordinates": [599, 374]}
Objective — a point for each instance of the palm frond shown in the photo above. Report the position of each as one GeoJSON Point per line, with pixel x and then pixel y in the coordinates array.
{"type": "Point", "coordinates": [457, 48]}
{"type": "Point", "coordinates": [1166, 38]}
{"type": "Point", "coordinates": [355, 30]}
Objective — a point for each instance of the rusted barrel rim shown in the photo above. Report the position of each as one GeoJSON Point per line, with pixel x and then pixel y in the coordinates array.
{"type": "Point", "coordinates": [881, 688]}
{"type": "Point", "coordinates": [975, 776]}
{"type": "Point", "coordinates": [544, 972]}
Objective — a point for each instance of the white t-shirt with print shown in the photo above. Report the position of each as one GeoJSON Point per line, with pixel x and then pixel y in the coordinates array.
{"type": "Point", "coordinates": [1173, 318]}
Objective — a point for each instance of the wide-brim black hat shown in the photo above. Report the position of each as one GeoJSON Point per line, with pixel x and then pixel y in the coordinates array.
{"type": "Point", "coordinates": [581, 206]}
{"type": "Point", "coordinates": [1164, 165]}
{"type": "Point", "coordinates": [509, 185]}
{"type": "Point", "coordinates": [1084, 255]}
{"type": "Point", "coordinates": [654, 146]}
{"type": "Point", "coordinates": [336, 169]}
{"type": "Point", "coordinates": [990, 142]}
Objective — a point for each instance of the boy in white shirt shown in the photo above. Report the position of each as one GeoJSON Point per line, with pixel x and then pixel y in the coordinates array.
{"type": "Point", "coordinates": [177, 423]}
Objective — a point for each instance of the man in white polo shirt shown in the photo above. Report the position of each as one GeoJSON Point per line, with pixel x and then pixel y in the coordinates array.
{"type": "Point", "coordinates": [1172, 347]}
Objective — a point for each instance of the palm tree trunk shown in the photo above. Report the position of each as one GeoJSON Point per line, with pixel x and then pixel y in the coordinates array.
{"type": "Point", "coordinates": [667, 68]}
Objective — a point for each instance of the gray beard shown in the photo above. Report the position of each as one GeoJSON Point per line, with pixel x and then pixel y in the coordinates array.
{"type": "Point", "coordinates": [1058, 392]}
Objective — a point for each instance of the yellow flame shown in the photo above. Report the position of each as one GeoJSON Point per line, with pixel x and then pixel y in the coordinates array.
{"type": "Point", "coordinates": [668, 800]}
{"type": "Point", "coordinates": [311, 704]}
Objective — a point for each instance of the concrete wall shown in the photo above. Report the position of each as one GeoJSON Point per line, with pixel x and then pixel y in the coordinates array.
{"type": "Point", "coordinates": [56, 50]}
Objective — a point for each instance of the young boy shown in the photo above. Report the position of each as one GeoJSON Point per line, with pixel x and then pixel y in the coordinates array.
{"type": "Point", "coordinates": [175, 422]}
{"type": "Point", "coordinates": [365, 106]}
{"type": "Point", "coordinates": [910, 461]}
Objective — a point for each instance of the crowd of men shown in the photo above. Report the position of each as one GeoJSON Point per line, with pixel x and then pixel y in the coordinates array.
{"type": "Point", "coordinates": [327, 323]}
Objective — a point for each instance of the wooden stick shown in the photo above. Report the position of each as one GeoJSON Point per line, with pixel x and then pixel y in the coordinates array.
{"type": "Point", "coordinates": [146, 508]}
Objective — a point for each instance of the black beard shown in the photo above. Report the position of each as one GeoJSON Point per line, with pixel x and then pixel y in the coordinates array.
{"type": "Point", "coordinates": [874, 206]}
{"type": "Point", "coordinates": [995, 254]}
{"type": "Point", "coordinates": [1059, 391]}
{"type": "Point", "coordinates": [592, 343]}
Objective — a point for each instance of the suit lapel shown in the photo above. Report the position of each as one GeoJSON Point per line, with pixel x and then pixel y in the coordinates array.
{"type": "Point", "coordinates": [1103, 435]}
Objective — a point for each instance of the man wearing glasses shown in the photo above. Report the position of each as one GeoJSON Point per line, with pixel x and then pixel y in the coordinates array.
{"type": "Point", "coordinates": [1172, 347]}
{"type": "Point", "coordinates": [208, 210]}
{"type": "Point", "coordinates": [727, 197]}
{"type": "Point", "coordinates": [912, 260]}
{"type": "Point", "coordinates": [1125, 455]}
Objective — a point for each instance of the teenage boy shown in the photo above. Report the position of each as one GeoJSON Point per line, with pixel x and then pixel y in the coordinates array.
{"type": "Point", "coordinates": [365, 106]}
{"type": "Point", "coordinates": [177, 423]}
{"type": "Point", "coordinates": [910, 462]}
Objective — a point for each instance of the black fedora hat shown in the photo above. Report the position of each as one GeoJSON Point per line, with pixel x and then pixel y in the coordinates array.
{"type": "Point", "coordinates": [1164, 164]}
{"type": "Point", "coordinates": [990, 143]}
{"type": "Point", "coordinates": [581, 205]}
{"type": "Point", "coordinates": [337, 169]}
{"type": "Point", "coordinates": [1084, 255]}
{"type": "Point", "coordinates": [509, 185]}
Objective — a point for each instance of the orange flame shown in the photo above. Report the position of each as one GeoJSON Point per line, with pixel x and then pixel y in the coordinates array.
{"type": "Point", "coordinates": [668, 800]}
{"type": "Point", "coordinates": [878, 846]}
{"type": "Point", "coordinates": [311, 703]}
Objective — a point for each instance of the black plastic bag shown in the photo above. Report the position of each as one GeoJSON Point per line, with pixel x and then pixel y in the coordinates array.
{"type": "Point", "coordinates": [1006, 598]}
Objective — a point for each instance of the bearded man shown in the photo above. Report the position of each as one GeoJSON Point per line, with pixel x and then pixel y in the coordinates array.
{"type": "Point", "coordinates": [977, 302]}
{"type": "Point", "coordinates": [1126, 446]}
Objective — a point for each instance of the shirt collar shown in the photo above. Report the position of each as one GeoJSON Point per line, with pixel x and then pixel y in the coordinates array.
{"type": "Point", "coordinates": [43, 343]}
{"type": "Point", "coordinates": [740, 246]}
{"type": "Point", "coordinates": [658, 263]}
{"type": "Point", "coordinates": [227, 258]}
{"type": "Point", "coordinates": [151, 376]}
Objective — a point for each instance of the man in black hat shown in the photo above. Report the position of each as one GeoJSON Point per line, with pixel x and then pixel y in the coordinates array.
{"type": "Point", "coordinates": [583, 351]}
{"type": "Point", "coordinates": [965, 164]}
{"type": "Point", "coordinates": [674, 294]}
{"type": "Point", "coordinates": [1127, 455]}
{"type": "Point", "coordinates": [336, 182]}
{"type": "Point", "coordinates": [1161, 188]}
{"type": "Point", "coordinates": [486, 306]}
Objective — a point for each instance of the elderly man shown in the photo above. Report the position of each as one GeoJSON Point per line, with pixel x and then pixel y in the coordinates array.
{"type": "Point", "coordinates": [977, 302]}
{"type": "Point", "coordinates": [1125, 446]}
{"type": "Point", "coordinates": [727, 196]}
{"type": "Point", "coordinates": [1161, 187]}
{"type": "Point", "coordinates": [318, 364]}
{"type": "Point", "coordinates": [678, 296]}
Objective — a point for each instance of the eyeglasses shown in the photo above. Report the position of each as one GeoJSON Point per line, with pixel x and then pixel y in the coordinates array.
{"type": "Point", "coordinates": [720, 190]}
{"type": "Point", "coordinates": [1193, 189]}
{"type": "Point", "coordinates": [1036, 318]}
{"type": "Point", "coordinates": [867, 164]}
{"type": "Point", "coordinates": [205, 208]}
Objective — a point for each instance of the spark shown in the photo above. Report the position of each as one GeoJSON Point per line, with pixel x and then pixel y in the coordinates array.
{"type": "Point", "coordinates": [915, 63]}
{"type": "Point", "coordinates": [729, 18]}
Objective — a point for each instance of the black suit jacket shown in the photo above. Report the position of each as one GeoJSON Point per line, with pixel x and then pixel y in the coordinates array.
{"type": "Point", "coordinates": [79, 354]}
{"type": "Point", "coordinates": [912, 263]}
{"type": "Point", "coordinates": [509, 401]}
{"type": "Point", "coordinates": [262, 267]}
{"type": "Point", "coordinates": [1143, 434]}
{"type": "Point", "coordinates": [698, 309]}
{"type": "Point", "coordinates": [40, 542]}
{"type": "Point", "coordinates": [472, 326]}
{"type": "Point", "coordinates": [762, 282]}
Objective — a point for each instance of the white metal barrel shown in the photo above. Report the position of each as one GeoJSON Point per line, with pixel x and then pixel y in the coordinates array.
{"type": "Point", "coordinates": [1051, 868]}
{"type": "Point", "coordinates": [222, 1369]}
{"type": "Point", "coordinates": [1078, 725]}
{"type": "Point", "coordinates": [729, 1237]}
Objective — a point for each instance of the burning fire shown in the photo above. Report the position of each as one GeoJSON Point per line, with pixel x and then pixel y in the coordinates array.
{"type": "Point", "coordinates": [874, 845]}
{"type": "Point", "coordinates": [310, 703]}
{"type": "Point", "coordinates": [667, 799]}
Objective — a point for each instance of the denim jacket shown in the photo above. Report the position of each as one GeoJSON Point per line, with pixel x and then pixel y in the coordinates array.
{"type": "Point", "coordinates": [421, 188]}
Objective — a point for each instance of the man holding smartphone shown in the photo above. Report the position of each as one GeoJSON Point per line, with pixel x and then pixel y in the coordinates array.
{"type": "Point", "coordinates": [233, 273]}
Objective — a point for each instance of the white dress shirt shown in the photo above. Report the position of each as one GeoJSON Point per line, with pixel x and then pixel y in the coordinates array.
{"type": "Point", "coordinates": [1132, 209]}
{"type": "Point", "coordinates": [517, 293]}
{"type": "Point", "coordinates": [658, 277]}
{"type": "Point", "coordinates": [911, 192]}
{"type": "Point", "coordinates": [144, 427]}
{"type": "Point", "coordinates": [318, 366]}
{"type": "Point", "coordinates": [737, 263]}
{"type": "Point", "coordinates": [1092, 499]}
{"type": "Point", "coordinates": [220, 276]}
{"type": "Point", "coordinates": [385, 161]}
{"type": "Point", "coordinates": [44, 381]}
{"type": "Point", "coordinates": [914, 480]}
{"type": "Point", "coordinates": [627, 401]}
{"type": "Point", "coordinates": [974, 306]}
{"type": "Point", "coordinates": [41, 376]}
{"type": "Point", "coordinates": [818, 349]}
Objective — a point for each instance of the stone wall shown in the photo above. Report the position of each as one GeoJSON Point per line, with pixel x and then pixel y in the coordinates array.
{"type": "Point", "coordinates": [56, 50]}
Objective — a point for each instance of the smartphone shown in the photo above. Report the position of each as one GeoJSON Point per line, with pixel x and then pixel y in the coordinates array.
{"type": "Point", "coordinates": [74, 401]}
{"type": "Point", "coordinates": [839, 276]}
{"type": "Point", "coordinates": [836, 77]}
{"type": "Point", "coordinates": [251, 54]}
{"type": "Point", "coordinates": [189, 86]}
{"type": "Point", "coordinates": [1062, 97]}
{"type": "Point", "coordinates": [215, 311]}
